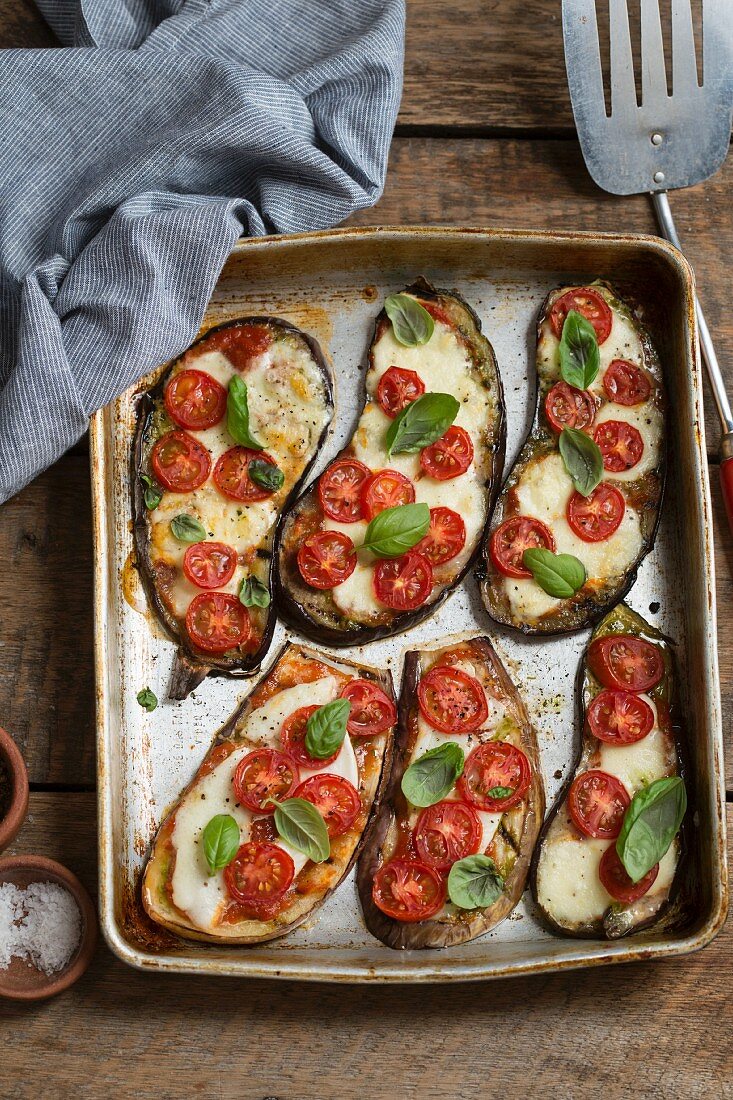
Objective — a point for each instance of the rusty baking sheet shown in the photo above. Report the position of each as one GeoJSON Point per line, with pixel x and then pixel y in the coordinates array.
{"type": "Point", "coordinates": [331, 284]}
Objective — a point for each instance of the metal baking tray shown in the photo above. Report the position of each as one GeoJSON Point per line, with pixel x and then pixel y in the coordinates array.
{"type": "Point", "coordinates": [331, 284]}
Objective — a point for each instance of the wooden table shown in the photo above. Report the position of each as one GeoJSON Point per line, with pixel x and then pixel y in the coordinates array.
{"type": "Point", "coordinates": [485, 137]}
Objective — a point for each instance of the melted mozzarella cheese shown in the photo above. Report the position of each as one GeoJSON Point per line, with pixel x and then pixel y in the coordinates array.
{"type": "Point", "coordinates": [264, 724]}
{"type": "Point", "coordinates": [568, 886]}
{"type": "Point", "coordinates": [641, 763]}
{"type": "Point", "coordinates": [370, 446]}
{"type": "Point", "coordinates": [649, 422]}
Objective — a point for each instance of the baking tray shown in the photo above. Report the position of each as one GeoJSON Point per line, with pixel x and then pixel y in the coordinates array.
{"type": "Point", "coordinates": [332, 284]}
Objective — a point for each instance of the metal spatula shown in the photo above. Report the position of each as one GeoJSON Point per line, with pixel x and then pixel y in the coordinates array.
{"type": "Point", "coordinates": [666, 141]}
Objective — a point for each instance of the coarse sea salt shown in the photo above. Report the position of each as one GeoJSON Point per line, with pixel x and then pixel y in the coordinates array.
{"type": "Point", "coordinates": [41, 924]}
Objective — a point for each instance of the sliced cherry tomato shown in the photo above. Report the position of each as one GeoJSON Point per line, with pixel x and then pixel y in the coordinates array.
{"type": "Point", "coordinates": [259, 873]}
{"type": "Point", "coordinates": [446, 536]}
{"type": "Point", "coordinates": [240, 343]}
{"type": "Point", "coordinates": [217, 621]}
{"type": "Point", "coordinates": [372, 710]}
{"type": "Point", "coordinates": [264, 774]}
{"type": "Point", "coordinates": [597, 802]}
{"type": "Point", "coordinates": [450, 456]}
{"type": "Point", "coordinates": [494, 765]}
{"type": "Point", "coordinates": [209, 564]}
{"type": "Point", "coordinates": [625, 383]}
{"type": "Point", "coordinates": [445, 833]}
{"type": "Point", "coordinates": [397, 388]}
{"type": "Point", "coordinates": [595, 518]}
{"type": "Point", "coordinates": [340, 488]}
{"type": "Point", "coordinates": [620, 444]}
{"type": "Point", "coordinates": [180, 463]}
{"type": "Point", "coordinates": [619, 718]}
{"type": "Point", "coordinates": [566, 407]}
{"type": "Point", "coordinates": [231, 475]}
{"type": "Point", "coordinates": [292, 736]}
{"type": "Point", "coordinates": [408, 890]}
{"type": "Point", "coordinates": [452, 701]}
{"type": "Point", "coordinates": [403, 583]}
{"type": "Point", "coordinates": [590, 304]}
{"type": "Point", "coordinates": [626, 663]}
{"type": "Point", "coordinates": [326, 559]}
{"type": "Point", "coordinates": [385, 489]}
{"type": "Point", "coordinates": [336, 800]}
{"type": "Point", "coordinates": [195, 400]}
{"type": "Point", "coordinates": [512, 537]}
{"type": "Point", "coordinates": [617, 881]}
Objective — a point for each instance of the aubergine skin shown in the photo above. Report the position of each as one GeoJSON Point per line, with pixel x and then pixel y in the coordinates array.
{"type": "Point", "coordinates": [191, 666]}
{"type": "Point", "coordinates": [585, 608]}
{"type": "Point", "coordinates": [313, 612]}
{"type": "Point", "coordinates": [465, 925]}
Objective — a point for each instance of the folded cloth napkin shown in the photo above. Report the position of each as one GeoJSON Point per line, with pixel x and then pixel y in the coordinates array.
{"type": "Point", "coordinates": [132, 160]}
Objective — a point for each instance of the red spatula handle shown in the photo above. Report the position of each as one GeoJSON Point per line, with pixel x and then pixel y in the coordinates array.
{"type": "Point", "coordinates": [726, 484]}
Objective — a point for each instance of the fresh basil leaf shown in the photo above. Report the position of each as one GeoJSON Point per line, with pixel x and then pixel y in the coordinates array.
{"type": "Point", "coordinates": [396, 530]}
{"type": "Point", "coordinates": [582, 459]}
{"type": "Point", "coordinates": [253, 593]}
{"type": "Point", "coordinates": [559, 575]}
{"type": "Point", "coordinates": [221, 842]}
{"type": "Point", "coordinates": [650, 825]}
{"type": "Point", "coordinates": [421, 422]}
{"type": "Point", "coordinates": [411, 323]}
{"type": "Point", "coordinates": [147, 699]}
{"type": "Point", "coordinates": [238, 415]}
{"type": "Point", "coordinates": [580, 359]}
{"type": "Point", "coordinates": [433, 775]}
{"type": "Point", "coordinates": [326, 728]}
{"type": "Point", "coordinates": [301, 826]}
{"type": "Point", "coordinates": [187, 528]}
{"type": "Point", "coordinates": [474, 882]}
{"type": "Point", "coordinates": [500, 792]}
{"type": "Point", "coordinates": [266, 474]}
{"type": "Point", "coordinates": [152, 493]}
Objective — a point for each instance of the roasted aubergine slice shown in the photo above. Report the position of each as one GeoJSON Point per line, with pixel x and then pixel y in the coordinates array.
{"type": "Point", "coordinates": [587, 486]}
{"type": "Point", "coordinates": [223, 441]}
{"type": "Point", "coordinates": [434, 399]}
{"type": "Point", "coordinates": [449, 854]}
{"type": "Point", "coordinates": [626, 797]}
{"type": "Point", "coordinates": [277, 812]}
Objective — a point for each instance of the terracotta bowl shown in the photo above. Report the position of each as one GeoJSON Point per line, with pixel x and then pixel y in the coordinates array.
{"type": "Point", "coordinates": [22, 982]}
{"type": "Point", "coordinates": [14, 817]}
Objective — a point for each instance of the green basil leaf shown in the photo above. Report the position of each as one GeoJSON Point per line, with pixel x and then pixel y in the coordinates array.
{"type": "Point", "coordinates": [301, 826]}
{"type": "Point", "coordinates": [152, 493]}
{"type": "Point", "coordinates": [221, 842]}
{"type": "Point", "coordinates": [474, 882]}
{"type": "Point", "coordinates": [253, 593]}
{"type": "Point", "coordinates": [559, 575]}
{"type": "Point", "coordinates": [266, 474]}
{"type": "Point", "coordinates": [582, 459]}
{"type": "Point", "coordinates": [650, 825]}
{"type": "Point", "coordinates": [421, 422]}
{"type": "Point", "coordinates": [411, 323]}
{"type": "Point", "coordinates": [395, 530]}
{"type": "Point", "coordinates": [238, 415]}
{"type": "Point", "coordinates": [187, 529]}
{"type": "Point", "coordinates": [147, 699]}
{"type": "Point", "coordinates": [500, 792]}
{"type": "Point", "coordinates": [433, 775]}
{"type": "Point", "coordinates": [326, 728]}
{"type": "Point", "coordinates": [580, 359]}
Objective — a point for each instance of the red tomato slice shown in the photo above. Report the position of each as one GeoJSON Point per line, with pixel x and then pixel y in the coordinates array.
{"type": "Point", "coordinates": [385, 489]}
{"type": "Point", "coordinates": [626, 663]}
{"type": "Point", "coordinates": [450, 456]}
{"type": "Point", "coordinates": [340, 488]}
{"type": "Point", "coordinates": [397, 388]}
{"type": "Point", "coordinates": [489, 766]}
{"type": "Point", "coordinates": [265, 774]}
{"type": "Point", "coordinates": [625, 383]}
{"type": "Point", "coordinates": [336, 800]}
{"type": "Point", "coordinates": [619, 718]}
{"type": "Point", "coordinates": [217, 621]}
{"type": "Point", "coordinates": [452, 701]}
{"type": "Point", "coordinates": [617, 882]}
{"type": "Point", "coordinates": [445, 833]}
{"type": "Point", "coordinates": [179, 462]}
{"type": "Point", "coordinates": [292, 736]}
{"type": "Point", "coordinates": [259, 873]}
{"type": "Point", "coordinates": [408, 891]}
{"type": "Point", "coordinates": [566, 407]}
{"type": "Point", "coordinates": [595, 518]}
{"type": "Point", "coordinates": [446, 536]}
{"type": "Point", "coordinates": [240, 343]}
{"type": "Point", "coordinates": [231, 475]}
{"type": "Point", "coordinates": [209, 564]}
{"type": "Point", "coordinates": [326, 559]}
{"type": "Point", "coordinates": [597, 803]}
{"type": "Point", "coordinates": [195, 400]}
{"type": "Point", "coordinates": [372, 710]}
{"type": "Point", "coordinates": [620, 444]}
{"type": "Point", "coordinates": [512, 537]}
{"type": "Point", "coordinates": [403, 583]}
{"type": "Point", "coordinates": [590, 304]}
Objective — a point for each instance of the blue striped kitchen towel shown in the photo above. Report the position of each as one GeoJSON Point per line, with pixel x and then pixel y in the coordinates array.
{"type": "Point", "coordinates": [133, 158]}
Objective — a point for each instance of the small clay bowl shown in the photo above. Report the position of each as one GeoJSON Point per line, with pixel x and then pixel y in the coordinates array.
{"type": "Point", "coordinates": [13, 818]}
{"type": "Point", "coordinates": [21, 982]}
